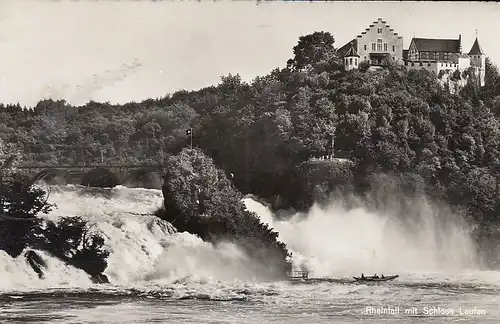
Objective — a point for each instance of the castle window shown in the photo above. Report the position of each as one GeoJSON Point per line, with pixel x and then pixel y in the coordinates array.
{"type": "Point", "coordinates": [379, 30]}
{"type": "Point", "coordinates": [428, 64]}
{"type": "Point", "coordinates": [379, 45]}
{"type": "Point", "coordinates": [364, 57]}
{"type": "Point", "coordinates": [385, 47]}
{"type": "Point", "coordinates": [346, 61]}
{"type": "Point", "coordinates": [350, 61]}
{"type": "Point", "coordinates": [393, 48]}
{"type": "Point", "coordinates": [420, 63]}
{"type": "Point", "coordinates": [446, 56]}
{"type": "Point", "coordinates": [373, 47]}
{"type": "Point", "coordinates": [412, 64]}
{"type": "Point", "coordinates": [355, 61]}
{"type": "Point", "coordinates": [365, 47]}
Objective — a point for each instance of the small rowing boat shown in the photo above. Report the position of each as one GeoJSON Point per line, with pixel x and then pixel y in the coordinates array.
{"type": "Point", "coordinates": [298, 275]}
{"type": "Point", "coordinates": [375, 278]}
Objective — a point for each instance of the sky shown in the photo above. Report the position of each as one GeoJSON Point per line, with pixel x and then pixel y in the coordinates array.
{"type": "Point", "coordinates": [121, 51]}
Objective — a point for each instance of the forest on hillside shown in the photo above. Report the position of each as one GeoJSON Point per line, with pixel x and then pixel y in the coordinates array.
{"type": "Point", "coordinates": [389, 121]}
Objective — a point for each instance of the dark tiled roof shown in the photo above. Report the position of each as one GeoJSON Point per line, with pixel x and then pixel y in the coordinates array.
{"type": "Point", "coordinates": [437, 45]}
{"type": "Point", "coordinates": [405, 54]}
{"type": "Point", "coordinates": [476, 49]}
{"type": "Point", "coordinates": [351, 52]}
{"type": "Point", "coordinates": [461, 55]}
{"type": "Point", "coordinates": [344, 49]}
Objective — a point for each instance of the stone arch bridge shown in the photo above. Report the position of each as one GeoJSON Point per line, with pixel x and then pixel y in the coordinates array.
{"type": "Point", "coordinates": [144, 176]}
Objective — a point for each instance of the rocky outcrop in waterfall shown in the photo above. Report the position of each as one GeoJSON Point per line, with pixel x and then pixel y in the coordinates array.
{"type": "Point", "coordinates": [201, 200]}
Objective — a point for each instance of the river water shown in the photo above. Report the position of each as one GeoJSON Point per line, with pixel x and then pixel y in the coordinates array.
{"type": "Point", "coordinates": [159, 276]}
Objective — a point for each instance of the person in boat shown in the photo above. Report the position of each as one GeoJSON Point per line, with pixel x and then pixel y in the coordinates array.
{"type": "Point", "coordinates": [382, 276]}
{"type": "Point", "coordinates": [362, 276]}
{"type": "Point", "coordinates": [375, 276]}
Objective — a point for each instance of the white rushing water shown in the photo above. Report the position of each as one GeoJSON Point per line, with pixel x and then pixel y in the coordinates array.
{"type": "Point", "coordinates": [150, 263]}
{"type": "Point", "coordinates": [335, 241]}
{"type": "Point", "coordinates": [143, 247]}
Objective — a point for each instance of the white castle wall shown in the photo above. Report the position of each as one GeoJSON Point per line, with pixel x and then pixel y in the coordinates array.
{"type": "Point", "coordinates": [434, 67]}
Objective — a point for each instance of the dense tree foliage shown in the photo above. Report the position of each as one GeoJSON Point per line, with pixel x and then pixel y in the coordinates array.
{"type": "Point", "coordinates": [314, 49]}
{"type": "Point", "coordinates": [199, 198]}
{"type": "Point", "coordinates": [21, 204]}
{"type": "Point", "coordinates": [389, 121]}
{"type": "Point", "coordinates": [491, 90]}
{"type": "Point", "coordinates": [71, 240]}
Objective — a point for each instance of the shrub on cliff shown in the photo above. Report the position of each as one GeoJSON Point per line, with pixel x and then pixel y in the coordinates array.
{"type": "Point", "coordinates": [200, 199]}
{"type": "Point", "coordinates": [21, 204]}
{"type": "Point", "coordinates": [71, 240]}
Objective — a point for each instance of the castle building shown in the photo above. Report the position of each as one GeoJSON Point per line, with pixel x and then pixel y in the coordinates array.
{"type": "Point", "coordinates": [478, 60]}
{"type": "Point", "coordinates": [374, 44]}
{"type": "Point", "coordinates": [380, 42]}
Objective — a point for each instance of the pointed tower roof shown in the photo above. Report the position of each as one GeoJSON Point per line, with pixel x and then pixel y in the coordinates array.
{"type": "Point", "coordinates": [351, 52]}
{"type": "Point", "coordinates": [476, 49]}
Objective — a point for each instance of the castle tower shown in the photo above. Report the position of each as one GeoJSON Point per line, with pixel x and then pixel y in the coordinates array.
{"type": "Point", "coordinates": [478, 60]}
{"type": "Point", "coordinates": [351, 59]}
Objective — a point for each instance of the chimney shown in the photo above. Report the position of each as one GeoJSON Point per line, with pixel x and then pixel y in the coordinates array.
{"type": "Point", "coordinates": [460, 43]}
